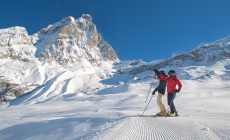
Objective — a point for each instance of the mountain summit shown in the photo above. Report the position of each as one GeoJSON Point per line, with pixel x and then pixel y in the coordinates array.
{"type": "Point", "coordinates": [70, 40]}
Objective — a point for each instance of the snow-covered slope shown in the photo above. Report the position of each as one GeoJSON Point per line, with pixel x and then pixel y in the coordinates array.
{"type": "Point", "coordinates": [112, 114]}
{"type": "Point", "coordinates": [59, 81]}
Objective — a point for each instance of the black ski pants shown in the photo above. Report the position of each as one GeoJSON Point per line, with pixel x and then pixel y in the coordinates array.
{"type": "Point", "coordinates": [171, 97]}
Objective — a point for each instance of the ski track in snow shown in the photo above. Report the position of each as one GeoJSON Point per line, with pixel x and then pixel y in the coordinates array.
{"type": "Point", "coordinates": [180, 128]}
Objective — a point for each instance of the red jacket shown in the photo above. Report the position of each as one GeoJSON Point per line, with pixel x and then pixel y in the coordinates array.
{"type": "Point", "coordinates": [171, 83]}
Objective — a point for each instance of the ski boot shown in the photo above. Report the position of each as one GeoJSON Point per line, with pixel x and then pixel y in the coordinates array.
{"type": "Point", "coordinates": [162, 113]}
{"type": "Point", "coordinates": [173, 114]}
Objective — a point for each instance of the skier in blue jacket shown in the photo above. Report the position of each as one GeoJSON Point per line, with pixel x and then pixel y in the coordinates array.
{"type": "Point", "coordinates": [161, 91]}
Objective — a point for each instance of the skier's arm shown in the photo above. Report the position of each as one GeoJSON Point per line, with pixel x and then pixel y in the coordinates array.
{"type": "Point", "coordinates": [158, 87]}
{"type": "Point", "coordinates": [179, 85]}
{"type": "Point", "coordinates": [155, 90]}
{"type": "Point", "coordinates": [163, 78]}
{"type": "Point", "coordinates": [160, 75]}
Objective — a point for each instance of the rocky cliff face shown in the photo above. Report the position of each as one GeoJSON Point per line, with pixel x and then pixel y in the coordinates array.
{"type": "Point", "coordinates": [15, 43]}
{"type": "Point", "coordinates": [70, 40]}
{"type": "Point", "coordinates": [67, 41]}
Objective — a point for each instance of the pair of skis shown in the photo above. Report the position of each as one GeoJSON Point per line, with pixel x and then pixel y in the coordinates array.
{"type": "Point", "coordinates": [156, 116]}
{"type": "Point", "coordinates": [142, 115]}
{"type": "Point", "coordinates": [150, 115]}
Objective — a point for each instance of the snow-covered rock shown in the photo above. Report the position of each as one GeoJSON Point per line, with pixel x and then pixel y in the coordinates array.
{"type": "Point", "coordinates": [70, 40]}
{"type": "Point", "coordinates": [15, 43]}
{"type": "Point", "coordinates": [204, 54]}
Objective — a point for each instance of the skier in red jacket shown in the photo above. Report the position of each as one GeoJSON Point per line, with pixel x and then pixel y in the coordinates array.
{"type": "Point", "coordinates": [172, 82]}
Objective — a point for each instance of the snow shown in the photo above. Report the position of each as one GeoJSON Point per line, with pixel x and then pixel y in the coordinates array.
{"type": "Point", "coordinates": [84, 100]}
{"type": "Point", "coordinates": [76, 103]}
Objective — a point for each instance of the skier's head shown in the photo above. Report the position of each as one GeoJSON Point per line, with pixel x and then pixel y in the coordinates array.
{"type": "Point", "coordinates": [163, 73]}
{"type": "Point", "coordinates": [172, 73]}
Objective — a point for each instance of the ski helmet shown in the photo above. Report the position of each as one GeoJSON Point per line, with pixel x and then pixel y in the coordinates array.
{"type": "Point", "coordinates": [171, 73]}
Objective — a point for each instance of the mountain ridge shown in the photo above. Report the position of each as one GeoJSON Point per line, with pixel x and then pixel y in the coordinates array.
{"type": "Point", "coordinates": [205, 53]}
{"type": "Point", "coordinates": [71, 57]}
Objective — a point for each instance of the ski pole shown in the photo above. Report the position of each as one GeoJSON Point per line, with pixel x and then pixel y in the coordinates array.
{"type": "Point", "coordinates": [149, 92]}
{"type": "Point", "coordinates": [147, 105]}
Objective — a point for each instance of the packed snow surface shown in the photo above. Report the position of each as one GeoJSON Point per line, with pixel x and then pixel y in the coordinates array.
{"type": "Point", "coordinates": [58, 110]}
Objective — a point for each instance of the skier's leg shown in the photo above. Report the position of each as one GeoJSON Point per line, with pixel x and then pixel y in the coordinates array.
{"type": "Point", "coordinates": [163, 111]}
{"type": "Point", "coordinates": [159, 102]}
{"type": "Point", "coordinates": [169, 100]}
{"type": "Point", "coordinates": [174, 107]}
{"type": "Point", "coordinates": [171, 103]}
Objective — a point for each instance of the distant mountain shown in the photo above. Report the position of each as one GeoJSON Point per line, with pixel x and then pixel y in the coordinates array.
{"type": "Point", "coordinates": [67, 41]}
{"type": "Point", "coordinates": [70, 40]}
{"type": "Point", "coordinates": [202, 55]}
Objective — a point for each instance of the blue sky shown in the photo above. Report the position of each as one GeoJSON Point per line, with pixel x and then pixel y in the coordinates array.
{"type": "Point", "coordinates": [136, 29]}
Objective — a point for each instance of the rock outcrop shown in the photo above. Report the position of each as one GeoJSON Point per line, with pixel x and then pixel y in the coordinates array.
{"type": "Point", "coordinates": [15, 44]}
{"type": "Point", "coordinates": [70, 40]}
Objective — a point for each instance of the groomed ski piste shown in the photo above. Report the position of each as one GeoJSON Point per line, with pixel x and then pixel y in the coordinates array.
{"type": "Point", "coordinates": [56, 111]}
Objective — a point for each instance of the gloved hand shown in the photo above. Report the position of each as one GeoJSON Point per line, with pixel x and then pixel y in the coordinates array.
{"type": "Point", "coordinates": [156, 72]}
{"type": "Point", "coordinates": [154, 92]}
{"type": "Point", "coordinates": [177, 91]}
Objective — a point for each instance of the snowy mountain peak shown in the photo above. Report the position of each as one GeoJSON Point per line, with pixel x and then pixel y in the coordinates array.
{"type": "Point", "coordinates": [15, 43]}
{"type": "Point", "coordinates": [13, 30]}
{"type": "Point", "coordinates": [14, 36]}
{"type": "Point", "coordinates": [204, 54]}
{"type": "Point", "coordinates": [68, 20]}
{"type": "Point", "coordinates": [70, 40]}
{"type": "Point", "coordinates": [87, 17]}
